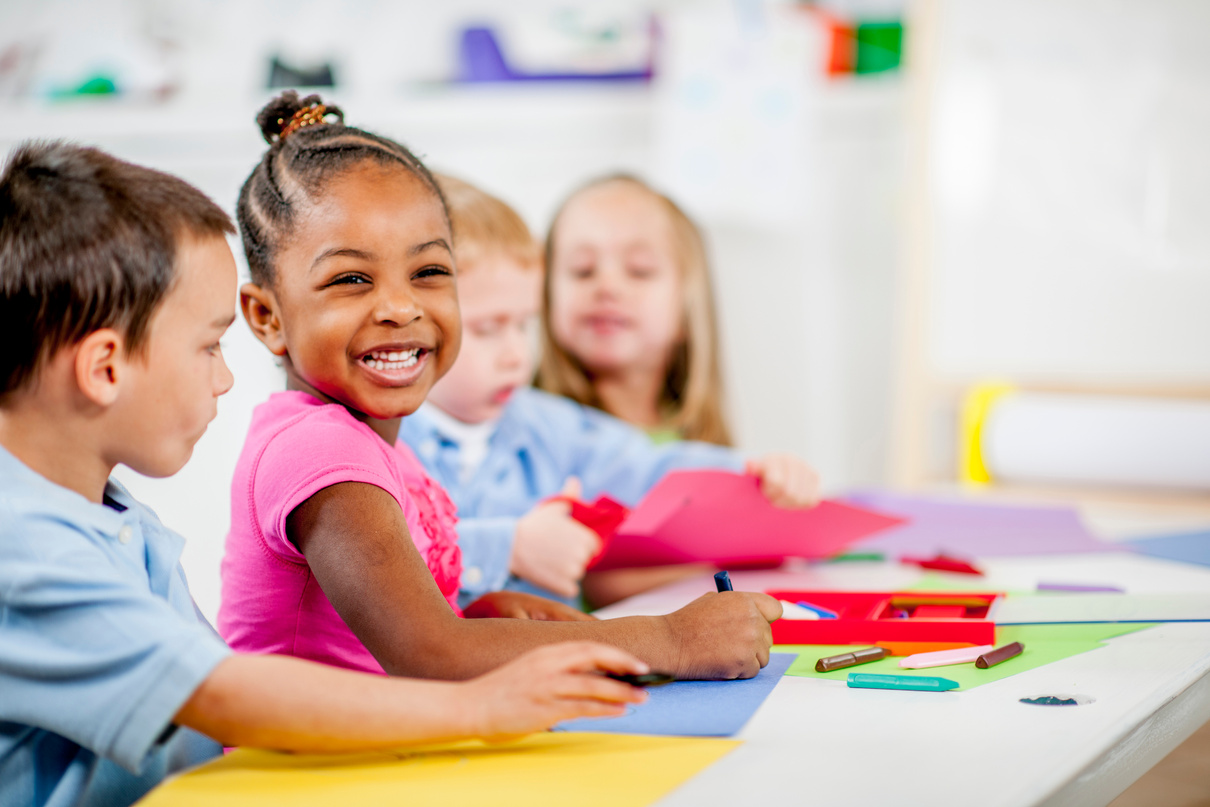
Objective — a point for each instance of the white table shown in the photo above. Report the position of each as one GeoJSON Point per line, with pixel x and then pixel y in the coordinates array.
{"type": "Point", "coordinates": [818, 742]}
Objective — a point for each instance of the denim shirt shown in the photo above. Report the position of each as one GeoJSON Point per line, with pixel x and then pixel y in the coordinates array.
{"type": "Point", "coordinates": [540, 441]}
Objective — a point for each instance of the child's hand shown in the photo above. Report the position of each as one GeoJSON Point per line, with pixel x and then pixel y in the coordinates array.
{"type": "Point", "coordinates": [551, 684]}
{"type": "Point", "coordinates": [785, 480]}
{"type": "Point", "coordinates": [551, 549]}
{"type": "Point", "coordinates": [519, 605]}
{"type": "Point", "coordinates": [723, 635]}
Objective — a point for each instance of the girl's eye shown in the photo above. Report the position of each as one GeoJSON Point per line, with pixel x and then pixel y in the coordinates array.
{"type": "Point", "coordinates": [641, 272]}
{"type": "Point", "coordinates": [348, 280]}
{"type": "Point", "coordinates": [582, 272]}
{"type": "Point", "coordinates": [433, 271]}
{"type": "Point", "coordinates": [215, 349]}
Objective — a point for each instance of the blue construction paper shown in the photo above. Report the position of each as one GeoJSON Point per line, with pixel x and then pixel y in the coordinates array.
{"type": "Point", "coordinates": [694, 708]}
{"type": "Point", "coordinates": [1190, 547]}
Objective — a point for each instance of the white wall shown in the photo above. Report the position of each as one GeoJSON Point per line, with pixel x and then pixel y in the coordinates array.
{"type": "Point", "coordinates": [1070, 185]}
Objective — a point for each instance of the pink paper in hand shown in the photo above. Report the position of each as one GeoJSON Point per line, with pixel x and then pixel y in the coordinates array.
{"type": "Point", "coordinates": [722, 517]}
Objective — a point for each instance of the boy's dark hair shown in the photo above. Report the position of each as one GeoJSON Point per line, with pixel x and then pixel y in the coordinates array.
{"type": "Point", "coordinates": [87, 241]}
{"type": "Point", "coordinates": [305, 150]}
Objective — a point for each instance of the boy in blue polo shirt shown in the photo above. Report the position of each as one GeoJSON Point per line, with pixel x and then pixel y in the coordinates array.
{"type": "Point", "coordinates": [116, 283]}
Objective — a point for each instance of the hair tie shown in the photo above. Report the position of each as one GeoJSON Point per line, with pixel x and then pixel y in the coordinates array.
{"type": "Point", "coordinates": [307, 116]}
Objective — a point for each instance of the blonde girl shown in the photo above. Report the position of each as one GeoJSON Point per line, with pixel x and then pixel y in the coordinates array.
{"type": "Point", "coordinates": [629, 312]}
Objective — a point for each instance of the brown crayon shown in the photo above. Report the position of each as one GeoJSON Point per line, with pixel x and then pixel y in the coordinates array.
{"type": "Point", "coordinates": [909, 601]}
{"type": "Point", "coordinates": [998, 655]}
{"type": "Point", "coordinates": [863, 656]}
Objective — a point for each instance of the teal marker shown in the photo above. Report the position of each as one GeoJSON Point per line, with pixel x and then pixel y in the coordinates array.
{"type": "Point", "coordinates": [921, 683]}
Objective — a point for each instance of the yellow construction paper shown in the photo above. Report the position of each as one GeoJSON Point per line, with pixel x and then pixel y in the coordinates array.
{"type": "Point", "coordinates": [555, 769]}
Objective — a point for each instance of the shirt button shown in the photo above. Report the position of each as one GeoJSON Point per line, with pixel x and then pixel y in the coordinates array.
{"type": "Point", "coordinates": [125, 534]}
{"type": "Point", "coordinates": [472, 576]}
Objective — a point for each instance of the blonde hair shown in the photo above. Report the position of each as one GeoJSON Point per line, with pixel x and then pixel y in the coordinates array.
{"type": "Point", "coordinates": [692, 395]}
{"type": "Point", "coordinates": [483, 225]}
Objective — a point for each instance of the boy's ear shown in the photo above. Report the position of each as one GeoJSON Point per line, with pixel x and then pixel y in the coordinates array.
{"type": "Point", "coordinates": [260, 312]}
{"type": "Point", "coordinates": [99, 365]}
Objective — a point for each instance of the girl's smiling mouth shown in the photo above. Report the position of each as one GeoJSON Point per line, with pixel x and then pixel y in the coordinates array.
{"type": "Point", "coordinates": [395, 366]}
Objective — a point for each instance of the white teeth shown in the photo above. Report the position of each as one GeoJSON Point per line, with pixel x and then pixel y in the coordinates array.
{"type": "Point", "coordinates": [392, 360]}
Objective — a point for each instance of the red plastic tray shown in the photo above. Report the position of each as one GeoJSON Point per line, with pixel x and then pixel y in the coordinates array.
{"type": "Point", "coordinates": [870, 617]}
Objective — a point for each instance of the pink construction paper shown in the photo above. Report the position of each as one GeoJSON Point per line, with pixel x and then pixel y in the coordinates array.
{"type": "Point", "coordinates": [974, 530]}
{"type": "Point", "coordinates": [722, 518]}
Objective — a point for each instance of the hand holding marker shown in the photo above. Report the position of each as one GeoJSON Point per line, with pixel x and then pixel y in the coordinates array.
{"type": "Point", "coordinates": [722, 581]}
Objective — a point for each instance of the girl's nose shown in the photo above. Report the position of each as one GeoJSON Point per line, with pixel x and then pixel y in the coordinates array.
{"type": "Point", "coordinates": [606, 281]}
{"type": "Point", "coordinates": [396, 306]}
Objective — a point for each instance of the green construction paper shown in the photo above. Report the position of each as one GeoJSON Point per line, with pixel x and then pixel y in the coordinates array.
{"type": "Point", "coordinates": [1043, 644]}
{"type": "Point", "coordinates": [931, 581]}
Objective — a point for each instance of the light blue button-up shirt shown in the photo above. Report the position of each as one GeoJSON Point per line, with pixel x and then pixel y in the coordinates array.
{"type": "Point", "coordinates": [541, 440]}
{"type": "Point", "coordinates": [100, 645]}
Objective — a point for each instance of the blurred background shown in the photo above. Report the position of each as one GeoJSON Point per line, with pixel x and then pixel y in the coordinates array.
{"type": "Point", "coordinates": [924, 218]}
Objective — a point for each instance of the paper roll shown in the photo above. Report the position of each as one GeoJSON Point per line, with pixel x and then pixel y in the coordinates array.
{"type": "Point", "coordinates": [1098, 440]}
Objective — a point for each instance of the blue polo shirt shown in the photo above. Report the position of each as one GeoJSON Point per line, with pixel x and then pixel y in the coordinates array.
{"type": "Point", "coordinates": [540, 440]}
{"type": "Point", "coordinates": [100, 645]}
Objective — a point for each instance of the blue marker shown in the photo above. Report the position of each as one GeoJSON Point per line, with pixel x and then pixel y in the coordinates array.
{"type": "Point", "coordinates": [722, 581]}
{"type": "Point", "coordinates": [921, 683]}
{"type": "Point", "coordinates": [824, 613]}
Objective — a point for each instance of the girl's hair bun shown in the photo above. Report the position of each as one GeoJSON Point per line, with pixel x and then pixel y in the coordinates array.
{"type": "Point", "coordinates": [275, 117]}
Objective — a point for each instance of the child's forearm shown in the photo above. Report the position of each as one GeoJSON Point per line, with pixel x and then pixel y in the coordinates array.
{"type": "Point", "coordinates": [357, 544]}
{"type": "Point", "coordinates": [294, 705]}
{"type": "Point", "coordinates": [466, 648]}
{"type": "Point", "coordinates": [715, 636]}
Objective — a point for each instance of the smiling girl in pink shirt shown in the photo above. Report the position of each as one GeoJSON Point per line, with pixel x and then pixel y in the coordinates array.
{"type": "Point", "coordinates": [341, 548]}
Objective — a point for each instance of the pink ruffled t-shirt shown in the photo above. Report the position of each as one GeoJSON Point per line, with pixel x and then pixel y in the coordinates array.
{"type": "Point", "coordinates": [297, 445]}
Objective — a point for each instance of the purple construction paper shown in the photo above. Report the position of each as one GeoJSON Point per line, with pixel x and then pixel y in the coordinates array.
{"type": "Point", "coordinates": [1190, 547]}
{"type": "Point", "coordinates": [1080, 588]}
{"type": "Point", "coordinates": [694, 708]}
{"type": "Point", "coordinates": [967, 530]}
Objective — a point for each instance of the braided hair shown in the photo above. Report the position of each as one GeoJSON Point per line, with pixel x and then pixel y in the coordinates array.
{"type": "Point", "coordinates": [306, 149]}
